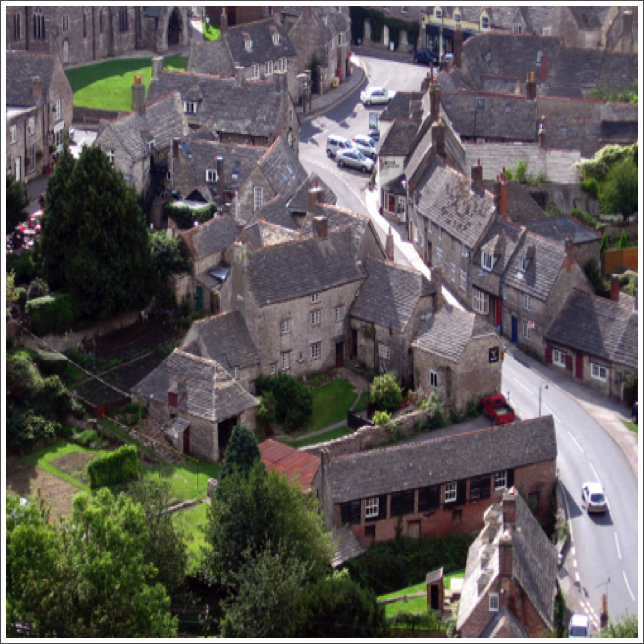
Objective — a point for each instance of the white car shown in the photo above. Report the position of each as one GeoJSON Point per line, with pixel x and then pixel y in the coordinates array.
{"type": "Point", "coordinates": [365, 144]}
{"type": "Point", "coordinates": [354, 159]}
{"type": "Point", "coordinates": [592, 494]}
{"type": "Point", "coordinates": [376, 95]}
{"type": "Point", "coordinates": [579, 626]}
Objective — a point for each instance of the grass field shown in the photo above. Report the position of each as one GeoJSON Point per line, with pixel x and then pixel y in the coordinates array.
{"type": "Point", "coordinates": [422, 586]}
{"type": "Point", "coordinates": [331, 403]}
{"type": "Point", "coordinates": [193, 520]}
{"type": "Point", "coordinates": [631, 426]}
{"type": "Point", "coordinates": [320, 438]}
{"type": "Point", "coordinates": [108, 85]}
{"type": "Point", "coordinates": [411, 605]}
{"type": "Point", "coordinates": [188, 480]}
{"type": "Point", "coordinates": [210, 32]}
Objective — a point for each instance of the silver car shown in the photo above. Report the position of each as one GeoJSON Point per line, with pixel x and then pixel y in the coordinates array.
{"type": "Point", "coordinates": [592, 494]}
{"type": "Point", "coordinates": [366, 145]}
{"type": "Point", "coordinates": [354, 159]}
{"type": "Point", "coordinates": [376, 95]}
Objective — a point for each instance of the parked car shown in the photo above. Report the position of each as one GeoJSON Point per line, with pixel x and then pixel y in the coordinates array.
{"type": "Point", "coordinates": [365, 144]}
{"type": "Point", "coordinates": [579, 626]}
{"type": "Point", "coordinates": [425, 56]}
{"type": "Point", "coordinates": [592, 494]}
{"type": "Point", "coordinates": [376, 95]}
{"type": "Point", "coordinates": [498, 409]}
{"type": "Point", "coordinates": [35, 219]}
{"type": "Point", "coordinates": [354, 159]}
{"type": "Point", "coordinates": [336, 143]}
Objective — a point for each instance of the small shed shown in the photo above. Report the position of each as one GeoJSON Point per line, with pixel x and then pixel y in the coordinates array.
{"type": "Point", "coordinates": [435, 591]}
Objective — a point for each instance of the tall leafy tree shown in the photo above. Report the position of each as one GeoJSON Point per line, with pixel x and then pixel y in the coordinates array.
{"type": "Point", "coordinates": [242, 450]}
{"type": "Point", "coordinates": [619, 191]}
{"type": "Point", "coordinates": [95, 244]}
{"type": "Point", "coordinates": [16, 202]}
{"type": "Point", "coordinates": [624, 628]}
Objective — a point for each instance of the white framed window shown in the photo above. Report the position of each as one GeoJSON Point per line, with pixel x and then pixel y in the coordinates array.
{"type": "Point", "coordinates": [463, 280]}
{"type": "Point", "coordinates": [14, 134]}
{"type": "Point", "coordinates": [433, 379]}
{"type": "Point", "coordinates": [268, 68]}
{"type": "Point", "coordinates": [526, 330]}
{"type": "Point", "coordinates": [440, 233]}
{"type": "Point", "coordinates": [58, 108]}
{"type": "Point", "coordinates": [66, 22]}
{"type": "Point", "coordinates": [523, 264]}
{"type": "Point", "coordinates": [286, 361]}
{"type": "Point", "coordinates": [248, 43]}
{"type": "Point", "coordinates": [453, 272]}
{"type": "Point", "coordinates": [403, 9]}
{"type": "Point", "coordinates": [276, 39]}
{"type": "Point", "coordinates": [501, 480]}
{"type": "Point", "coordinates": [315, 298]}
{"type": "Point", "coordinates": [439, 256]}
{"type": "Point", "coordinates": [383, 351]}
{"type": "Point", "coordinates": [339, 313]}
{"type": "Point", "coordinates": [189, 107]}
{"type": "Point", "coordinates": [315, 317]}
{"type": "Point", "coordinates": [559, 357]}
{"type": "Point", "coordinates": [273, 369]}
{"type": "Point", "coordinates": [539, 55]}
{"type": "Point", "coordinates": [316, 350]}
{"type": "Point", "coordinates": [463, 250]}
{"type": "Point", "coordinates": [258, 193]}
{"type": "Point", "coordinates": [598, 371]}
{"type": "Point", "coordinates": [254, 74]}
{"type": "Point", "coordinates": [283, 64]}
{"type": "Point", "coordinates": [517, 29]}
{"type": "Point", "coordinates": [457, 18]}
{"type": "Point", "coordinates": [494, 602]}
{"type": "Point", "coordinates": [527, 302]}
{"type": "Point", "coordinates": [31, 125]}
{"type": "Point", "coordinates": [485, 22]}
{"type": "Point", "coordinates": [481, 302]}
{"type": "Point", "coordinates": [547, 31]}
{"type": "Point", "coordinates": [450, 492]}
{"type": "Point", "coordinates": [342, 39]}
{"type": "Point", "coordinates": [236, 373]}
{"type": "Point", "coordinates": [416, 238]}
{"type": "Point", "coordinates": [211, 176]}
{"type": "Point", "coordinates": [438, 13]}
{"type": "Point", "coordinates": [371, 508]}
{"type": "Point", "coordinates": [285, 327]}
{"type": "Point", "coordinates": [487, 260]}
{"type": "Point", "coordinates": [111, 156]}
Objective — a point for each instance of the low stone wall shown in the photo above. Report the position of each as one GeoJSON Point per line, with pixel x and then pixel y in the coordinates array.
{"type": "Point", "coordinates": [89, 117]}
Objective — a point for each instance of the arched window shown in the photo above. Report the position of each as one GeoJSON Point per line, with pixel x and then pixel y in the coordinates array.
{"type": "Point", "coordinates": [123, 19]}
{"type": "Point", "coordinates": [39, 24]}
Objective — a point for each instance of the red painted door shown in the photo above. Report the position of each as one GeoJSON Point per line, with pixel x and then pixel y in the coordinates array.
{"type": "Point", "coordinates": [339, 353]}
{"type": "Point", "coordinates": [579, 366]}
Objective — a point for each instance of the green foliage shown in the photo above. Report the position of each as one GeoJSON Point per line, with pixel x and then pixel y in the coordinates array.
{"type": "Point", "coordinates": [167, 255]}
{"type": "Point", "coordinates": [51, 313]}
{"type": "Point", "coordinates": [51, 363]}
{"type": "Point", "coordinates": [509, 175]}
{"type": "Point", "coordinates": [385, 392]}
{"type": "Point", "coordinates": [594, 274]}
{"type": "Point", "coordinates": [37, 288]}
{"type": "Point", "coordinates": [434, 408]}
{"type": "Point", "coordinates": [630, 389]}
{"type": "Point", "coordinates": [21, 297]}
{"type": "Point", "coordinates": [619, 192]}
{"type": "Point", "coordinates": [16, 202]}
{"type": "Point", "coordinates": [609, 156]}
{"type": "Point", "coordinates": [88, 438]}
{"type": "Point", "coordinates": [113, 468]}
{"type": "Point", "coordinates": [620, 95]}
{"type": "Point", "coordinates": [381, 418]}
{"type": "Point", "coordinates": [210, 32]}
{"type": "Point", "coordinates": [624, 628]}
{"type": "Point", "coordinates": [591, 186]}
{"type": "Point", "coordinates": [623, 240]}
{"type": "Point", "coordinates": [94, 243]}
{"type": "Point", "coordinates": [242, 451]}
{"type": "Point", "coordinates": [185, 217]}
{"type": "Point", "coordinates": [266, 412]}
{"type": "Point", "coordinates": [377, 19]}
{"type": "Point", "coordinates": [293, 399]}
{"type": "Point", "coordinates": [603, 244]}
{"type": "Point", "coordinates": [251, 512]}
{"type": "Point", "coordinates": [23, 267]}
{"type": "Point", "coordinates": [552, 210]}
{"type": "Point", "coordinates": [85, 577]}
{"type": "Point", "coordinates": [415, 621]}
{"type": "Point", "coordinates": [520, 173]}
{"type": "Point", "coordinates": [585, 218]}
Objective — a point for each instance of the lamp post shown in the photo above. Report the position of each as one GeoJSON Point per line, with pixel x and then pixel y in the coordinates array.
{"type": "Point", "coordinates": [541, 386]}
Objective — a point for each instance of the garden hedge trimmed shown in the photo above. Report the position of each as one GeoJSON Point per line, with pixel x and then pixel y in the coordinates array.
{"type": "Point", "coordinates": [185, 217]}
{"type": "Point", "coordinates": [51, 363]}
{"type": "Point", "coordinates": [114, 468]}
{"type": "Point", "coordinates": [51, 313]}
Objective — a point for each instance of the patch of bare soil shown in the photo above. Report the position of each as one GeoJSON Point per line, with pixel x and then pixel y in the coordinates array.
{"type": "Point", "coordinates": [75, 464]}
{"type": "Point", "coordinates": [25, 478]}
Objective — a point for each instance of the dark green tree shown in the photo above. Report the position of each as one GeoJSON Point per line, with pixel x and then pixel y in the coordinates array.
{"type": "Point", "coordinates": [385, 392]}
{"type": "Point", "coordinates": [16, 202]}
{"type": "Point", "coordinates": [619, 190]}
{"type": "Point", "coordinates": [167, 255]}
{"type": "Point", "coordinates": [603, 245]}
{"type": "Point", "coordinates": [623, 240]}
{"type": "Point", "coordinates": [624, 628]}
{"type": "Point", "coordinates": [242, 450]}
{"type": "Point", "coordinates": [293, 399]}
{"type": "Point", "coordinates": [95, 244]}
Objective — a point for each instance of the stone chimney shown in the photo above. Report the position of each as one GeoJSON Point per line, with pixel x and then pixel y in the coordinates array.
{"type": "Point", "coordinates": [614, 288]}
{"type": "Point", "coordinates": [221, 181]}
{"type": "Point", "coordinates": [223, 21]}
{"type": "Point", "coordinates": [509, 508]}
{"type": "Point", "coordinates": [544, 67]}
{"type": "Point", "coordinates": [321, 227]}
{"type": "Point", "coordinates": [437, 281]}
{"type": "Point", "coordinates": [438, 138]}
{"type": "Point", "coordinates": [435, 100]}
{"type": "Point", "coordinates": [503, 196]}
{"type": "Point", "coordinates": [314, 196]}
{"type": "Point", "coordinates": [458, 47]}
{"type": "Point", "coordinates": [531, 87]}
{"type": "Point", "coordinates": [36, 89]}
{"type": "Point", "coordinates": [497, 194]}
{"type": "Point", "coordinates": [157, 67]}
{"type": "Point", "coordinates": [389, 245]}
{"type": "Point", "coordinates": [477, 177]}
{"type": "Point", "coordinates": [239, 76]}
{"type": "Point", "coordinates": [505, 554]}
{"type": "Point", "coordinates": [138, 96]}
{"type": "Point", "coordinates": [627, 31]}
{"type": "Point", "coordinates": [570, 260]}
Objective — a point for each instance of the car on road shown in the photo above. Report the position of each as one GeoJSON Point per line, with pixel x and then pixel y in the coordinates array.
{"type": "Point", "coordinates": [425, 56]}
{"type": "Point", "coordinates": [354, 159]}
{"type": "Point", "coordinates": [336, 143]}
{"type": "Point", "coordinates": [365, 144]}
{"type": "Point", "coordinates": [592, 494]}
{"type": "Point", "coordinates": [579, 626]}
{"type": "Point", "coordinates": [498, 409]}
{"type": "Point", "coordinates": [376, 95]}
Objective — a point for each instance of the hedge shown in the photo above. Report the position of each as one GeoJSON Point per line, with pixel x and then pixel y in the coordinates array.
{"type": "Point", "coordinates": [185, 217]}
{"type": "Point", "coordinates": [51, 363]}
{"type": "Point", "coordinates": [114, 468]}
{"type": "Point", "coordinates": [51, 313]}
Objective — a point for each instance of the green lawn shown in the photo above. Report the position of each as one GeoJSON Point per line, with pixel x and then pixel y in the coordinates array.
{"type": "Point", "coordinates": [331, 403]}
{"type": "Point", "coordinates": [193, 520]}
{"type": "Point", "coordinates": [411, 605]}
{"type": "Point", "coordinates": [72, 373]}
{"type": "Point", "coordinates": [210, 32]}
{"type": "Point", "coordinates": [188, 480]}
{"type": "Point", "coordinates": [631, 426]}
{"type": "Point", "coordinates": [422, 586]}
{"type": "Point", "coordinates": [362, 403]}
{"type": "Point", "coordinates": [320, 438]}
{"type": "Point", "coordinates": [108, 85]}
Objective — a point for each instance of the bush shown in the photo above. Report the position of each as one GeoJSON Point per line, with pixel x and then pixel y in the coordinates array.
{"type": "Point", "coordinates": [630, 390]}
{"type": "Point", "coordinates": [185, 217]}
{"type": "Point", "coordinates": [520, 172]}
{"type": "Point", "coordinates": [386, 393]}
{"type": "Point", "coordinates": [21, 297]}
{"type": "Point", "coordinates": [623, 240]}
{"type": "Point", "coordinates": [24, 267]}
{"type": "Point", "coordinates": [88, 437]}
{"type": "Point", "coordinates": [293, 399]}
{"type": "Point", "coordinates": [434, 409]}
{"type": "Point", "coordinates": [37, 288]}
{"type": "Point", "coordinates": [114, 468]}
{"type": "Point", "coordinates": [51, 314]}
{"type": "Point", "coordinates": [51, 363]}
{"type": "Point", "coordinates": [381, 418]}
{"type": "Point", "coordinates": [591, 186]}
{"type": "Point", "coordinates": [584, 217]}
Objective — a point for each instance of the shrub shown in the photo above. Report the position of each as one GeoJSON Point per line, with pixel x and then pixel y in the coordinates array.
{"type": "Point", "coordinates": [623, 240]}
{"type": "Point", "coordinates": [88, 437]}
{"type": "Point", "coordinates": [385, 392]}
{"type": "Point", "coordinates": [21, 297]}
{"type": "Point", "coordinates": [591, 186]}
{"type": "Point", "coordinates": [51, 363]}
{"type": "Point", "coordinates": [293, 399]}
{"type": "Point", "coordinates": [584, 217]}
{"type": "Point", "coordinates": [552, 210]}
{"type": "Point", "coordinates": [520, 172]}
{"type": "Point", "coordinates": [37, 288]}
{"type": "Point", "coordinates": [51, 313]}
{"type": "Point", "coordinates": [603, 245]}
{"type": "Point", "coordinates": [434, 409]}
{"type": "Point", "coordinates": [456, 416]}
{"type": "Point", "coordinates": [381, 418]}
{"type": "Point", "coordinates": [23, 267]}
{"type": "Point", "coordinates": [630, 389]}
{"type": "Point", "coordinates": [185, 217]}
{"type": "Point", "coordinates": [114, 468]}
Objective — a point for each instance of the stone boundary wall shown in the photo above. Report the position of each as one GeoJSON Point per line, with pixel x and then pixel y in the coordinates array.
{"type": "Point", "coordinates": [90, 117]}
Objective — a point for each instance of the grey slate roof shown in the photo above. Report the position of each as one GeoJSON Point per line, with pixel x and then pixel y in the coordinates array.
{"type": "Point", "coordinates": [390, 294]}
{"type": "Point", "coordinates": [21, 68]}
{"type": "Point", "coordinates": [598, 327]}
{"type": "Point", "coordinates": [585, 17]}
{"type": "Point", "coordinates": [346, 546]}
{"type": "Point", "coordinates": [211, 392]}
{"type": "Point", "coordinates": [543, 268]}
{"type": "Point", "coordinates": [448, 332]}
{"type": "Point", "coordinates": [398, 106]}
{"type": "Point", "coordinates": [407, 467]}
{"type": "Point", "coordinates": [224, 338]}
{"type": "Point", "coordinates": [521, 206]}
{"type": "Point", "coordinates": [211, 57]}
{"type": "Point", "coordinates": [210, 237]}
{"type": "Point", "coordinates": [261, 233]}
{"type": "Point", "coordinates": [274, 212]}
{"type": "Point", "coordinates": [263, 48]}
{"type": "Point", "coordinates": [504, 625]}
{"type": "Point", "coordinates": [296, 269]}
{"type": "Point", "coordinates": [400, 138]}
{"type": "Point", "coordinates": [299, 201]}
{"type": "Point", "coordinates": [446, 199]}
{"type": "Point", "coordinates": [558, 228]}
{"type": "Point", "coordinates": [283, 169]}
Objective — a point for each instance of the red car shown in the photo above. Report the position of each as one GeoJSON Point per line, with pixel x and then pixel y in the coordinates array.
{"type": "Point", "coordinates": [497, 408]}
{"type": "Point", "coordinates": [35, 219]}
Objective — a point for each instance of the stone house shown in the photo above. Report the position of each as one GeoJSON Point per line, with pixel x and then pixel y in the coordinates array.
{"type": "Point", "coordinates": [238, 15]}
{"type": "Point", "coordinates": [510, 580]}
{"type": "Point", "coordinates": [254, 112]}
{"type": "Point", "coordinates": [79, 34]}
{"type": "Point", "coordinates": [225, 339]}
{"type": "Point", "coordinates": [38, 113]}
{"type": "Point", "coordinates": [441, 486]}
{"type": "Point", "coordinates": [385, 317]}
{"type": "Point", "coordinates": [198, 401]}
{"type": "Point", "coordinates": [595, 341]}
{"type": "Point", "coordinates": [457, 355]}
{"type": "Point", "coordinates": [259, 47]}
{"type": "Point", "coordinates": [620, 30]}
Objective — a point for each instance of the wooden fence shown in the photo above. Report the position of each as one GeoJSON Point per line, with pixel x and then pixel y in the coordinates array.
{"type": "Point", "coordinates": [614, 259]}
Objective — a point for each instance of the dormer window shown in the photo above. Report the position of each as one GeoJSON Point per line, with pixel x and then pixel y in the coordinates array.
{"type": "Point", "coordinates": [523, 264]}
{"type": "Point", "coordinates": [189, 107]}
{"type": "Point", "coordinates": [248, 43]}
{"type": "Point", "coordinates": [438, 13]}
{"type": "Point", "coordinates": [276, 39]}
{"type": "Point", "coordinates": [539, 54]}
{"type": "Point", "coordinates": [487, 260]}
{"type": "Point", "coordinates": [211, 176]}
{"type": "Point", "coordinates": [517, 29]}
{"type": "Point", "coordinates": [457, 18]}
{"type": "Point", "coordinates": [485, 22]}
{"type": "Point", "coordinates": [111, 156]}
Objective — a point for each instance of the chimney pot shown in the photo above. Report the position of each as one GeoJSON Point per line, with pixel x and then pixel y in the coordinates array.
{"type": "Point", "coordinates": [458, 46]}
{"type": "Point", "coordinates": [321, 227]}
{"type": "Point", "coordinates": [138, 96]}
{"type": "Point", "coordinates": [505, 554]}
{"type": "Point", "coordinates": [157, 67]}
{"type": "Point", "coordinates": [531, 87]}
{"type": "Point", "coordinates": [503, 197]}
{"type": "Point", "coordinates": [312, 201]}
{"type": "Point", "coordinates": [477, 177]}
{"type": "Point", "coordinates": [614, 288]}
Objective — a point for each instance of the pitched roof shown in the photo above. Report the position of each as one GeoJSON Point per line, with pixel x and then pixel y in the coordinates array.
{"type": "Point", "coordinates": [299, 268]}
{"type": "Point", "coordinates": [299, 201]}
{"type": "Point", "coordinates": [21, 67]}
{"type": "Point", "coordinates": [263, 48]}
{"type": "Point", "coordinates": [450, 458]}
{"type": "Point", "coordinates": [390, 294]}
{"type": "Point", "coordinates": [558, 228]}
{"type": "Point", "coordinates": [400, 137]}
{"type": "Point", "coordinates": [211, 392]}
{"type": "Point", "coordinates": [346, 546]}
{"type": "Point", "coordinates": [211, 57]}
{"type": "Point", "coordinates": [398, 106]}
{"type": "Point", "coordinates": [504, 625]}
{"type": "Point", "coordinates": [296, 465]}
{"type": "Point", "coordinates": [210, 237]}
{"type": "Point", "coordinates": [274, 212]}
{"type": "Point", "coordinates": [521, 206]}
{"type": "Point", "coordinates": [447, 200]}
{"type": "Point", "coordinates": [282, 169]}
{"type": "Point", "coordinates": [598, 327]}
{"type": "Point", "coordinates": [224, 338]}
{"type": "Point", "coordinates": [448, 332]}
{"type": "Point", "coordinates": [261, 233]}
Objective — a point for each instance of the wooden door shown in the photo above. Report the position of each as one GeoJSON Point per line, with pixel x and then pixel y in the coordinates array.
{"type": "Point", "coordinates": [579, 366]}
{"type": "Point", "coordinates": [433, 597]}
{"type": "Point", "coordinates": [339, 353]}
